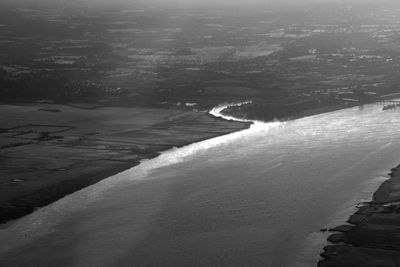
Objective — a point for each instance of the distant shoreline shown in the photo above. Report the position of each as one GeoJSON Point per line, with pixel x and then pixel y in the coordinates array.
{"type": "Point", "coordinates": [327, 109]}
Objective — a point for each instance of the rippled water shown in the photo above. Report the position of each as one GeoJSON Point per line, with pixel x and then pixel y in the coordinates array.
{"type": "Point", "coordinates": [252, 198]}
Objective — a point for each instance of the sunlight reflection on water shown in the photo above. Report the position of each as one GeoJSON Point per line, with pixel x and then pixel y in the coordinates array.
{"type": "Point", "coordinates": [262, 193]}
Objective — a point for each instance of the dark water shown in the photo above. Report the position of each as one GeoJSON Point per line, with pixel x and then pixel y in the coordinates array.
{"type": "Point", "coordinates": [251, 198]}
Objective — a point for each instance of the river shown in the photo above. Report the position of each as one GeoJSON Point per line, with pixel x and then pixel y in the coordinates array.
{"type": "Point", "coordinates": [257, 197]}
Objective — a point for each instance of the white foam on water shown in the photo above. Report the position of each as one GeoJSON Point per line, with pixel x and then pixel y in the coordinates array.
{"type": "Point", "coordinates": [218, 111]}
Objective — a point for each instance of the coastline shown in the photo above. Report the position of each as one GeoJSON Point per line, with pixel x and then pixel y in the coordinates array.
{"type": "Point", "coordinates": [303, 113]}
{"type": "Point", "coordinates": [56, 167]}
{"type": "Point", "coordinates": [224, 137]}
{"type": "Point", "coordinates": [19, 202]}
{"type": "Point", "coordinates": [370, 238]}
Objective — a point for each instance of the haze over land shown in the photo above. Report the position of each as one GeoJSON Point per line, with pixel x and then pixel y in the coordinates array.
{"type": "Point", "coordinates": [90, 88]}
{"type": "Point", "coordinates": [188, 55]}
{"type": "Point", "coordinates": [249, 4]}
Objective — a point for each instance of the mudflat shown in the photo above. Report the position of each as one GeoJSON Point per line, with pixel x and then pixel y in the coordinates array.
{"type": "Point", "coordinates": [49, 151]}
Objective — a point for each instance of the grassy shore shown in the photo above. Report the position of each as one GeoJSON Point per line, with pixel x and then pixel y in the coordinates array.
{"type": "Point", "coordinates": [49, 151]}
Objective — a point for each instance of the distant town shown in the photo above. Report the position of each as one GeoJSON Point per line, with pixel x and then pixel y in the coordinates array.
{"type": "Point", "coordinates": [194, 59]}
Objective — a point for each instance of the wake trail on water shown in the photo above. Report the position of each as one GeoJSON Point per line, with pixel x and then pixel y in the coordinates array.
{"type": "Point", "coordinates": [44, 220]}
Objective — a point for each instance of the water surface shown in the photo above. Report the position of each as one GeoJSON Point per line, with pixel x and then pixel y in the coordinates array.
{"type": "Point", "coordinates": [252, 198]}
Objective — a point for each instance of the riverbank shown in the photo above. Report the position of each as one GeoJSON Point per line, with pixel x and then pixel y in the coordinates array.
{"type": "Point", "coordinates": [49, 151]}
{"type": "Point", "coordinates": [371, 237]}
{"type": "Point", "coordinates": [249, 111]}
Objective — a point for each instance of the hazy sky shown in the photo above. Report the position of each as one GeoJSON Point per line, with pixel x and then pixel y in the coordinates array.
{"type": "Point", "coordinates": [205, 2]}
{"type": "Point", "coordinates": [249, 4]}
{"type": "Point", "coordinates": [232, 2]}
